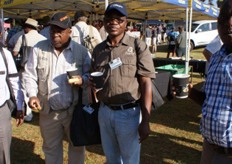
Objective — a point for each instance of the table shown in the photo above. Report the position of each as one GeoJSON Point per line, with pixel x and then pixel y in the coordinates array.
{"type": "Point", "coordinates": [197, 65]}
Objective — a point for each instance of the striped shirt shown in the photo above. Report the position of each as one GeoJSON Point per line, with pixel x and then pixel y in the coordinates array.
{"type": "Point", "coordinates": [216, 125]}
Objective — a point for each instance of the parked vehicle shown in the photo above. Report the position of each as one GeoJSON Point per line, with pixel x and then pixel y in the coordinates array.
{"type": "Point", "coordinates": [203, 32]}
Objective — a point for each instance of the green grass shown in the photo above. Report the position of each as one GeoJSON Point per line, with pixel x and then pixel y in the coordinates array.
{"type": "Point", "coordinates": [174, 139]}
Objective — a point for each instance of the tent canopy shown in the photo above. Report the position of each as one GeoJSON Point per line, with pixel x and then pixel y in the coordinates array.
{"type": "Point", "coordinates": [137, 9]}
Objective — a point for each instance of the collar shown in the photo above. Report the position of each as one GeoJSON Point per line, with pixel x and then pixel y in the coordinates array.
{"type": "Point", "coordinates": [81, 23]}
{"type": "Point", "coordinates": [124, 41]}
{"type": "Point", "coordinates": [32, 31]}
{"type": "Point", "coordinates": [70, 46]}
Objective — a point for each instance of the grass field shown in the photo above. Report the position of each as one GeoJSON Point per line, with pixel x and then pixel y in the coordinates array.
{"type": "Point", "coordinates": [175, 137]}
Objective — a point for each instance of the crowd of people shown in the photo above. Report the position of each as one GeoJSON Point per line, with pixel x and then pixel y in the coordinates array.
{"type": "Point", "coordinates": [126, 96]}
{"type": "Point", "coordinates": [175, 38]}
{"type": "Point", "coordinates": [42, 83]}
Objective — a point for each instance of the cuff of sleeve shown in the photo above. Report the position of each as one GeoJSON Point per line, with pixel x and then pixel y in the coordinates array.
{"type": "Point", "coordinates": [85, 81]}
{"type": "Point", "coordinates": [32, 94]}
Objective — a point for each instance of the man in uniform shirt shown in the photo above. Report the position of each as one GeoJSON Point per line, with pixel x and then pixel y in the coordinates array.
{"type": "Point", "coordinates": [47, 86]}
{"type": "Point", "coordinates": [127, 89]}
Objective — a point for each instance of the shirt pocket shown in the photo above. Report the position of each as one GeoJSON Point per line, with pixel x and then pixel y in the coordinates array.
{"type": "Point", "coordinates": [42, 79]}
{"type": "Point", "coordinates": [128, 67]}
{"type": "Point", "coordinates": [223, 116]}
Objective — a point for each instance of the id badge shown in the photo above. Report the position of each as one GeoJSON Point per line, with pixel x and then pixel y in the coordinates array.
{"type": "Point", "coordinates": [88, 109]}
{"type": "Point", "coordinates": [115, 63]}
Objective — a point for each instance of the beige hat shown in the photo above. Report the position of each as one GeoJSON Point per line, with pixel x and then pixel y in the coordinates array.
{"type": "Point", "coordinates": [32, 22]}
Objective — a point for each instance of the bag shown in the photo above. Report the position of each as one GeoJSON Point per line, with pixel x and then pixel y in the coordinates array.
{"type": "Point", "coordinates": [84, 127]}
{"type": "Point", "coordinates": [24, 51]}
{"type": "Point", "coordinates": [89, 41]}
{"type": "Point", "coordinates": [157, 100]}
{"type": "Point", "coordinates": [18, 60]}
{"type": "Point", "coordinates": [11, 105]}
{"type": "Point", "coordinates": [23, 55]}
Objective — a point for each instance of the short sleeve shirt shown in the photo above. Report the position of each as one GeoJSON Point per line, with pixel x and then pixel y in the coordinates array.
{"type": "Point", "coordinates": [121, 84]}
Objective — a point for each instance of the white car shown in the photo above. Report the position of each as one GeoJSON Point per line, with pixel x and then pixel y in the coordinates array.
{"type": "Point", "coordinates": [203, 32]}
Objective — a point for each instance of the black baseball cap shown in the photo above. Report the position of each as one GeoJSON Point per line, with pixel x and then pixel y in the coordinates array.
{"type": "Point", "coordinates": [61, 19]}
{"type": "Point", "coordinates": [120, 7]}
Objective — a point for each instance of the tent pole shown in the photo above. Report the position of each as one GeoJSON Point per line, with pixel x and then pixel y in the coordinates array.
{"type": "Point", "coordinates": [188, 45]}
{"type": "Point", "coordinates": [188, 31]}
{"type": "Point", "coordinates": [187, 27]}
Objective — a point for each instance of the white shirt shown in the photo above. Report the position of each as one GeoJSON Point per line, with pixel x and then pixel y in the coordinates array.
{"type": "Point", "coordinates": [103, 33]}
{"type": "Point", "coordinates": [32, 38]}
{"type": "Point", "coordinates": [15, 81]}
{"type": "Point", "coordinates": [83, 29]}
{"type": "Point", "coordinates": [214, 45]}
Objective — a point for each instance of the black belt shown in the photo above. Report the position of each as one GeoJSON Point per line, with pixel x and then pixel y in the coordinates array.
{"type": "Point", "coordinates": [123, 107]}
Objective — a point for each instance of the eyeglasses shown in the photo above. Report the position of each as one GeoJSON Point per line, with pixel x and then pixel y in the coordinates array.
{"type": "Point", "coordinates": [116, 19]}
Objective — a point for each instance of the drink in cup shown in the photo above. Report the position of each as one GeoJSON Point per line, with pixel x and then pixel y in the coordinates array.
{"type": "Point", "coordinates": [181, 83]}
{"type": "Point", "coordinates": [97, 79]}
{"type": "Point", "coordinates": [72, 72]}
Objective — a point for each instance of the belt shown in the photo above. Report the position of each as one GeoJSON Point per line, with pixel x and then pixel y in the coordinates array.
{"type": "Point", "coordinates": [58, 110]}
{"type": "Point", "coordinates": [123, 107]}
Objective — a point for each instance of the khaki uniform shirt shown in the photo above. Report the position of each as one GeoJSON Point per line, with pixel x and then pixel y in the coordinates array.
{"type": "Point", "coordinates": [121, 85]}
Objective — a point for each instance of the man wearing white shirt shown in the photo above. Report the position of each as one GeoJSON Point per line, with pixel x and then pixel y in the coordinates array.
{"type": "Point", "coordinates": [30, 39]}
{"type": "Point", "coordinates": [5, 113]}
{"type": "Point", "coordinates": [81, 29]}
{"type": "Point", "coordinates": [212, 47]}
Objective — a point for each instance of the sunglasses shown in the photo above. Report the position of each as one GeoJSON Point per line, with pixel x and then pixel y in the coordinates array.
{"type": "Point", "coordinates": [118, 20]}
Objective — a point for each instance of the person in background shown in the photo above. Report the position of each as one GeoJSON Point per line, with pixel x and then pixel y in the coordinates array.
{"type": "Point", "coordinates": [81, 29]}
{"type": "Point", "coordinates": [181, 42]}
{"type": "Point", "coordinates": [5, 113]}
{"type": "Point", "coordinates": [216, 126]}
{"type": "Point", "coordinates": [127, 89]}
{"type": "Point", "coordinates": [148, 35]}
{"type": "Point", "coordinates": [16, 28]}
{"type": "Point", "coordinates": [171, 42]}
{"type": "Point", "coordinates": [159, 34]}
{"type": "Point", "coordinates": [50, 91]}
{"type": "Point", "coordinates": [30, 38]}
{"type": "Point", "coordinates": [46, 28]}
{"type": "Point", "coordinates": [212, 47]}
{"type": "Point", "coordinates": [103, 33]}
{"type": "Point", "coordinates": [163, 33]}
{"type": "Point", "coordinates": [13, 40]}
{"type": "Point", "coordinates": [154, 39]}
